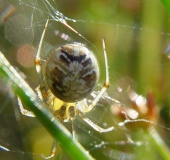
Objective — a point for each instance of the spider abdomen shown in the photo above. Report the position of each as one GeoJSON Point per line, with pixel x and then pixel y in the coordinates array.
{"type": "Point", "coordinates": [72, 72]}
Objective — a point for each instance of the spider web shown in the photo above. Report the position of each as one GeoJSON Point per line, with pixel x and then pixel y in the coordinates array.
{"type": "Point", "coordinates": [23, 137]}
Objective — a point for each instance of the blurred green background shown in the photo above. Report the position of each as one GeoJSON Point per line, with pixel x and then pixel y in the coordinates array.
{"type": "Point", "coordinates": [137, 42]}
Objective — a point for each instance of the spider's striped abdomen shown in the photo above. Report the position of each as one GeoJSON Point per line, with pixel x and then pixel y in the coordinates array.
{"type": "Point", "coordinates": [72, 72]}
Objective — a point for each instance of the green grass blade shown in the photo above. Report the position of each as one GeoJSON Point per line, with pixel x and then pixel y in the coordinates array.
{"type": "Point", "coordinates": [54, 127]}
{"type": "Point", "coordinates": [166, 4]}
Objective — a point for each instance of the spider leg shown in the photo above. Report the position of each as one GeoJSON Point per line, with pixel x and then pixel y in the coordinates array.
{"type": "Point", "coordinates": [54, 146]}
{"type": "Point", "coordinates": [93, 125]}
{"type": "Point", "coordinates": [44, 95]}
{"type": "Point", "coordinates": [31, 114]}
{"type": "Point", "coordinates": [38, 57]}
{"type": "Point", "coordinates": [38, 90]}
{"type": "Point", "coordinates": [105, 85]}
{"type": "Point", "coordinates": [27, 112]}
{"type": "Point", "coordinates": [24, 111]}
{"type": "Point", "coordinates": [73, 129]}
{"type": "Point", "coordinates": [53, 151]}
{"type": "Point", "coordinates": [47, 98]}
{"type": "Point", "coordinates": [41, 89]}
{"type": "Point", "coordinates": [88, 108]}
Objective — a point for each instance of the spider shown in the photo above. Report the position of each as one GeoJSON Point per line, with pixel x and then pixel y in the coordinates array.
{"type": "Point", "coordinates": [71, 74]}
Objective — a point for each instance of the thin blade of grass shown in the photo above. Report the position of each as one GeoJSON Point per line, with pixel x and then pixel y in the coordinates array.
{"type": "Point", "coordinates": [54, 127]}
